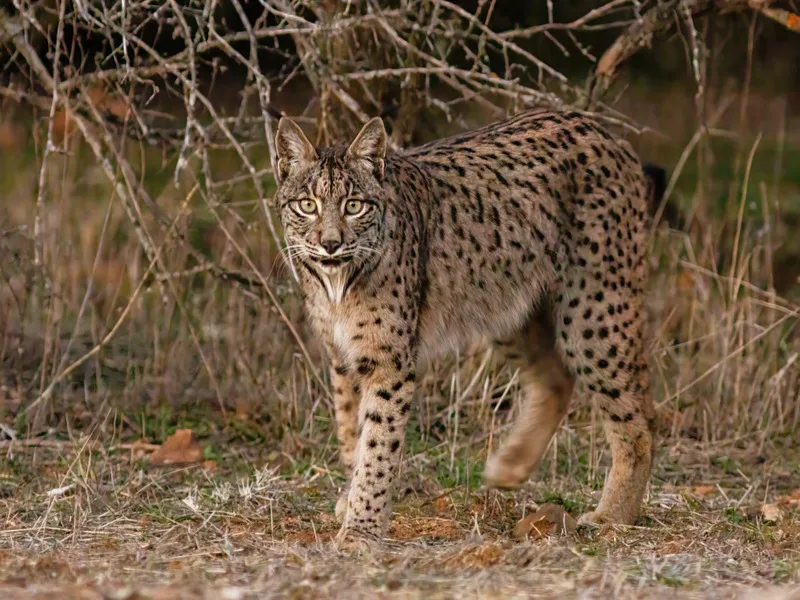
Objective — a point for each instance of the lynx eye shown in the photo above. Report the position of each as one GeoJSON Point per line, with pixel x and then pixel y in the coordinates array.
{"type": "Point", "coordinates": [354, 207]}
{"type": "Point", "coordinates": [305, 206]}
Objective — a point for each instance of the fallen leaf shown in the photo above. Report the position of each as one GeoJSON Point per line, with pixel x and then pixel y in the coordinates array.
{"type": "Point", "coordinates": [442, 504]}
{"type": "Point", "coordinates": [550, 519]}
{"type": "Point", "coordinates": [791, 499]}
{"type": "Point", "coordinates": [179, 448]}
{"type": "Point", "coordinates": [704, 490]}
{"type": "Point", "coordinates": [771, 512]}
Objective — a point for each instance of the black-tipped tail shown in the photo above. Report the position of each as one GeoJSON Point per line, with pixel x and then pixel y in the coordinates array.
{"type": "Point", "coordinates": [656, 186]}
{"type": "Point", "coordinates": [656, 182]}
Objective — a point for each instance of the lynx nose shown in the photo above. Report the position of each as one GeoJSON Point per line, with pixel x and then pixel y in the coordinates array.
{"type": "Point", "coordinates": [331, 241]}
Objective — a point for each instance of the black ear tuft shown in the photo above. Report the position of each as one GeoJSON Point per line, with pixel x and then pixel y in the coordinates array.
{"type": "Point", "coordinates": [656, 187]}
{"type": "Point", "coordinates": [274, 112]}
{"type": "Point", "coordinates": [657, 181]}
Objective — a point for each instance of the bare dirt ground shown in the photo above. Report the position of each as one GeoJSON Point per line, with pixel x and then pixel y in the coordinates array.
{"type": "Point", "coordinates": [89, 520]}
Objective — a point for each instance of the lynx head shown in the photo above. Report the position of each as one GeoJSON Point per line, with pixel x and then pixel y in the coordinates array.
{"type": "Point", "coordinates": [332, 203]}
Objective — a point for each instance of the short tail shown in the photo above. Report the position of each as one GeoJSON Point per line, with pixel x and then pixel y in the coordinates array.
{"type": "Point", "coordinates": [656, 186]}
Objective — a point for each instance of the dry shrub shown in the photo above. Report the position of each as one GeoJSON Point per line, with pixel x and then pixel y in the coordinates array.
{"type": "Point", "coordinates": [156, 220]}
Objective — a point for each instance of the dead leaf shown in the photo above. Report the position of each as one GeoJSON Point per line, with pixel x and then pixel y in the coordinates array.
{"type": "Point", "coordinates": [685, 281]}
{"type": "Point", "coordinates": [792, 499]}
{"type": "Point", "coordinates": [179, 448]}
{"type": "Point", "coordinates": [703, 490]}
{"type": "Point", "coordinates": [550, 519]}
{"type": "Point", "coordinates": [771, 512]}
{"type": "Point", "coordinates": [442, 504]}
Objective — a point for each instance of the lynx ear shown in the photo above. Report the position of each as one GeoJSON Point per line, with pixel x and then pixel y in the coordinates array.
{"type": "Point", "coordinates": [370, 146]}
{"type": "Point", "coordinates": [292, 147]}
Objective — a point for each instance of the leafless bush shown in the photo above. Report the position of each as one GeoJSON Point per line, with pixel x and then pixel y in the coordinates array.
{"type": "Point", "coordinates": [132, 78]}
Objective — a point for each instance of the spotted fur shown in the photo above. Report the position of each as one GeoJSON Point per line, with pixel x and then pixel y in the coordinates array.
{"type": "Point", "coordinates": [530, 233]}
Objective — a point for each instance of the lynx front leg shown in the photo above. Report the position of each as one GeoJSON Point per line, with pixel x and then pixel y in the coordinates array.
{"type": "Point", "coordinates": [346, 398]}
{"type": "Point", "coordinates": [388, 388]}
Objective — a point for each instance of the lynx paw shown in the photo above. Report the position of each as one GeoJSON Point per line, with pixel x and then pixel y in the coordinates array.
{"type": "Point", "coordinates": [598, 517]}
{"type": "Point", "coordinates": [355, 541]}
{"type": "Point", "coordinates": [501, 474]}
{"type": "Point", "coordinates": [592, 518]}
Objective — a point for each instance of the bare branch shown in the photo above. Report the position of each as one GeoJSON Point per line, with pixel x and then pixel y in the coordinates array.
{"type": "Point", "coordinates": [660, 19]}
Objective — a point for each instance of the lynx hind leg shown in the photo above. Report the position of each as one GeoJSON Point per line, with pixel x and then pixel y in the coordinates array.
{"type": "Point", "coordinates": [600, 334]}
{"type": "Point", "coordinates": [547, 388]}
{"type": "Point", "coordinates": [631, 455]}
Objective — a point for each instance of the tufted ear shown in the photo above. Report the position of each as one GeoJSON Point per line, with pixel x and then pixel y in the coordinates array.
{"type": "Point", "coordinates": [370, 145]}
{"type": "Point", "coordinates": [292, 147]}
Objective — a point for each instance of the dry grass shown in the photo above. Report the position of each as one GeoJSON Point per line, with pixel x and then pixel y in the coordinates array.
{"type": "Point", "coordinates": [98, 521]}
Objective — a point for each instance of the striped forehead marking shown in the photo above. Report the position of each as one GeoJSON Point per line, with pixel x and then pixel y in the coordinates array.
{"type": "Point", "coordinates": [330, 180]}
